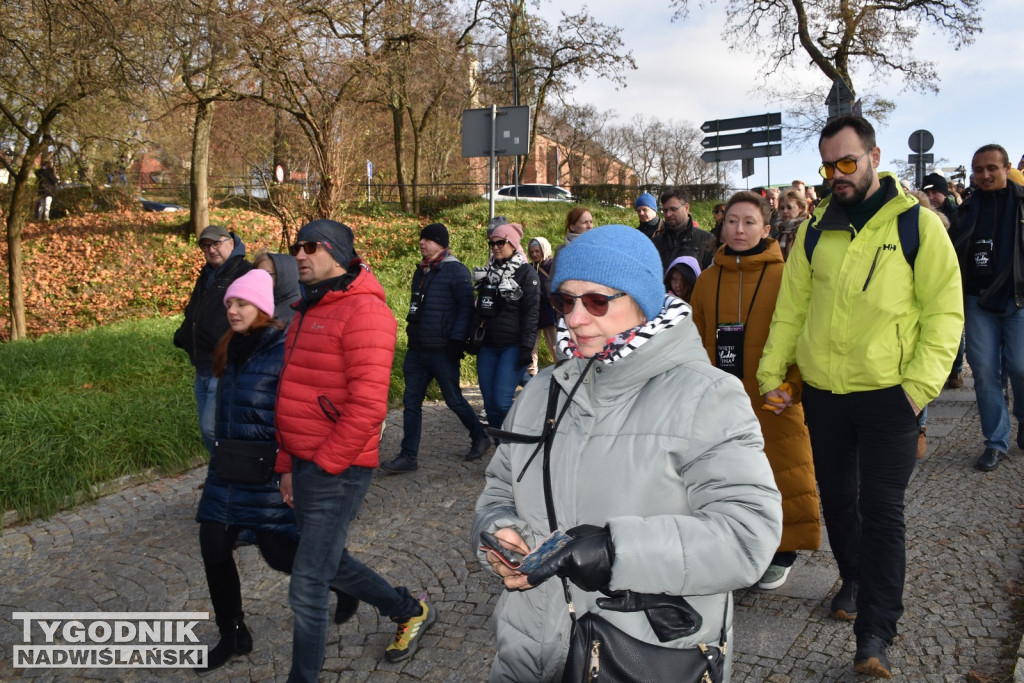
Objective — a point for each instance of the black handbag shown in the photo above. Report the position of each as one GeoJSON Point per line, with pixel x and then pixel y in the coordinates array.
{"type": "Point", "coordinates": [476, 340]}
{"type": "Point", "coordinates": [244, 462]}
{"type": "Point", "coordinates": [598, 651]}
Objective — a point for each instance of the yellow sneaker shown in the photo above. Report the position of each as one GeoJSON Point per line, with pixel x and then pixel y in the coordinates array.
{"type": "Point", "coordinates": [407, 637]}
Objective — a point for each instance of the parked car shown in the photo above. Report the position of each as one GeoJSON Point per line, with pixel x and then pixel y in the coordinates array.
{"type": "Point", "coordinates": [532, 192]}
{"type": "Point", "coordinates": [147, 205]}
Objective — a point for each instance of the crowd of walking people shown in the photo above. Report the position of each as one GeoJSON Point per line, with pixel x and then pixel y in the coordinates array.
{"type": "Point", "coordinates": [715, 395]}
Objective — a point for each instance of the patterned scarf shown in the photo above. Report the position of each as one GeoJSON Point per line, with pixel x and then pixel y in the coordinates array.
{"type": "Point", "coordinates": [673, 311]}
{"type": "Point", "coordinates": [499, 274]}
{"type": "Point", "coordinates": [427, 264]}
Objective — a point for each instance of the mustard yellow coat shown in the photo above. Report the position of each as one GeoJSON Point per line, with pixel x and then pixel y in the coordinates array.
{"type": "Point", "coordinates": [786, 442]}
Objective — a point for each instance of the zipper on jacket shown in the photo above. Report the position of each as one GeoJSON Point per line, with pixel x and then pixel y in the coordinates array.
{"type": "Point", "coordinates": [872, 271]}
{"type": "Point", "coordinates": [899, 340]}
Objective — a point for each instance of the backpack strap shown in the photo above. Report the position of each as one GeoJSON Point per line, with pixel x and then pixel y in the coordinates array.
{"type": "Point", "coordinates": [906, 226]}
{"type": "Point", "coordinates": [811, 236]}
{"type": "Point", "coordinates": [910, 237]}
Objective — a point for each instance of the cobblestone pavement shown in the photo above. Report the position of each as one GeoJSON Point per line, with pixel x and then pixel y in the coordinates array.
{"type": "Point", "coordinates": [138, 550]}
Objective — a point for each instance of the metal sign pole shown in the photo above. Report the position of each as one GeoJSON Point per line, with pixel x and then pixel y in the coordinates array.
{"type": "Point", "coordinates": [494, 149]}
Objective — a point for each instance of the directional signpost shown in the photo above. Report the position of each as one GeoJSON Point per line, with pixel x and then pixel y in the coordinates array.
{"type": "Point", "coordinates": [743, 146]}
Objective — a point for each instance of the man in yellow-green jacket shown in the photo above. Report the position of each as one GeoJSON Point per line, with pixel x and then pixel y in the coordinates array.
{"type": "Point", "coordinates": [870, 309]}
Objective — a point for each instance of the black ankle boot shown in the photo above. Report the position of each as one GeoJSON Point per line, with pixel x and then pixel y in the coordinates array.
{"type": "Point", "coordinates": [233, 642]}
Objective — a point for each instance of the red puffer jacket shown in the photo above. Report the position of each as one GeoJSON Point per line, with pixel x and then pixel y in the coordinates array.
{"type": "Point", "coordinates": [333, 393]}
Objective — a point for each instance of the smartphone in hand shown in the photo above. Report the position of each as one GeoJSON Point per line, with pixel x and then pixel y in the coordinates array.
{"type": "Point", "coordinates": [551, 545]}
{"type": "Point", "coordinates": [509, 558]}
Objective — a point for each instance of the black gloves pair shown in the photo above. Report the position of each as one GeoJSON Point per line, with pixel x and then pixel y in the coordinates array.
{"type": "Point", "coordinates": [586, 560]}
{"type": "Point", "coordinates": [455, 350]}
{"type": "Point", "coordinates": [525, 356]}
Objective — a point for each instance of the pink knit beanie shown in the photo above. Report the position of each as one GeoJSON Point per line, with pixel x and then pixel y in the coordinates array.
{"type": "Point", "coordinates": [513, 232]}
{"type": "Point", "coordinates": [256, 287]}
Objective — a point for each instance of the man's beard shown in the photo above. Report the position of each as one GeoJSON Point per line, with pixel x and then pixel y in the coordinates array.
{"type": "Point", "coordinates": [860, 191]}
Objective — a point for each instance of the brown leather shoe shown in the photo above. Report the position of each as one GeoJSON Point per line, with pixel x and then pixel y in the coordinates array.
{"type": "Point", "coordinates": [955, 381]}
{"type": "Point", "coordinates": [922, 444]}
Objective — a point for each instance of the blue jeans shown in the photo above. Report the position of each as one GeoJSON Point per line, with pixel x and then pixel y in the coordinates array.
{"type": "Point", "coordinates": [206, 404]}
{"type": "Point", "coordinates": [994, 338]}
{"type": "Point", "coordinates": [325, 504]}
{"type": "Point", "coordinates": [419, 368]}
{"type": "Point", "coordinates": [499, 372]}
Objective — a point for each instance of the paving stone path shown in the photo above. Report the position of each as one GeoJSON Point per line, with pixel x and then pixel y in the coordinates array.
{"type": "Point", "coordinates": [137, 550]}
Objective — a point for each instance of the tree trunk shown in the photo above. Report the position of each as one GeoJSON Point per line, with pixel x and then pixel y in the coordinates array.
{"type": "Point", "coordinates": [398, 132]}
{"type": "Point", "coordinates": [199, 190]}
{"type": "Point", "coordinates": [20, 201]}
{"type": "Point", "coordinates": [417, 137]}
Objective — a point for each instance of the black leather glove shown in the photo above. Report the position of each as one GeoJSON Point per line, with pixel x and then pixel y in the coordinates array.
{"type": "Point", "coordinates": [455, 350]}
{"type": "Point", "coordinates": [525, 356]}
{"type": "Point", "coordinates": [586, 560]}
{"type": "Point", "coordinates": [671, 616]}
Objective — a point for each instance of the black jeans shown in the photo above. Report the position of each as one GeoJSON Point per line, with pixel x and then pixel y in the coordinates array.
{"type": "Point", "coordinates": [865, 447]}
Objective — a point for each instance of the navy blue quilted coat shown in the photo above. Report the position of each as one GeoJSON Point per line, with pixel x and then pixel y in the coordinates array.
{"type": "Point", "coordinates": [245, 410]}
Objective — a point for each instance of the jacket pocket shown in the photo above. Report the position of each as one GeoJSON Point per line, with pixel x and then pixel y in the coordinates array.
{"type": "Point", "coordinates": [329, 411]}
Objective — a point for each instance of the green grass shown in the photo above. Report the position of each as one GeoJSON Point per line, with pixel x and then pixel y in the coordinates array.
{"type": "Point", "coordinates": [81, 409]}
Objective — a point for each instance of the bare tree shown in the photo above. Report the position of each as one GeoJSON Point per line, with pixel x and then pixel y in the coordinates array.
{"type": "Point", "coordinates": [203, 52]}
{"type": "Point", "coordinates": [546, 59]}
{"type": "Point", "coordinates": [837, 35]}
{"type": "Point", "coordinates": [412, 62]}
{"type": "Point", "coordinates": [302, 55]}
{"type": "Point", "coordinates": [679, 156]}
{"type": "Point", "coordinates": [54, 56]}
{"type": "Point", "coordinates": [641, 145]}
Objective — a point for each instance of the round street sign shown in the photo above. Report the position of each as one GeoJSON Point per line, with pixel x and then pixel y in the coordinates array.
{"type": "Point", "coordinates": [921, 141]}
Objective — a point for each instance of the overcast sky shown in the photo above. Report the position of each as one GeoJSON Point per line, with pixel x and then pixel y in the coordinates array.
{"type": "Point", "coordinates": [685, 71]}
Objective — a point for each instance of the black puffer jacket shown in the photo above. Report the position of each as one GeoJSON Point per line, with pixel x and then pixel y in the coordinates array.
{"type": "Point", "coordinates": [205, 319]}
{"type": "Point", "coordinates": [447, 306]}
{"type": "Point", "coordinates": [688, 240]}
{"type": "Point", "coordinates": [246, 396]}
{"type": "Point", "coordinates": [514, 322]}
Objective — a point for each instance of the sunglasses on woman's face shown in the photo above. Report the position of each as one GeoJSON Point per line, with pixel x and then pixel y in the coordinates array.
{"type": "Point", "coordinates": [596, 304]}
{"type": "Point", "coordinates": [497, 244]}
{"type": "Point", "coordinates": [308, 247]}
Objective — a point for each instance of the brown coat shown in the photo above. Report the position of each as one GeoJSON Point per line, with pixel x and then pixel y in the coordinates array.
{"type": "Point", "coordinates": [786, 442]}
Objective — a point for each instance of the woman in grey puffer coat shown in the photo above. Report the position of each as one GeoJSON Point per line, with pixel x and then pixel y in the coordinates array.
{"type": "Point", "coordinates": [658, 450]}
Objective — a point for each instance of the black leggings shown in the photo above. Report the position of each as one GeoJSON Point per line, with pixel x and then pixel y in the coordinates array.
{"type": "Point", "coordinates": [217, 544]}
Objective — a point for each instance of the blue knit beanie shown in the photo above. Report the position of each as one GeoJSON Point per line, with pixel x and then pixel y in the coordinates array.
{"type": "Point", "coordinates": [615, 256]}
{"type": "Point", "coordinates": [646, 199]}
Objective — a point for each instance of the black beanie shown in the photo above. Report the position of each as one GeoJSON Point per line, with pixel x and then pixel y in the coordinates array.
{"type": "Point", "coordinates": [435, 232]}
{"type": "Point", "coordinates": [336, 238]}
